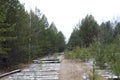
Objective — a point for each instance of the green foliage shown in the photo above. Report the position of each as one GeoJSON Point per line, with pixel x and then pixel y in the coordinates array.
{"type": "Point", "coordinates": [117, 30]}
{"type": "Point", "coordinates": [84, 34]}
{"type": "Point", "coordinates": [100, 42]}
{"type": "Point", "coordinates": [56, 39]}
{"type": "Point", "coordinates": [40, 65]}
{"type": "Point", "coordinates": [6, 31]}
{"type": "Point", "coordinates": [60, 42]}
{"type": "Point", "coordinates": [108, 53]}
{"type": "Point", "coordinates": [97, 51]}
{"type": "Point", "coordinates": [106, 32]}
{"type": "Point", "coordinates": [89, 30]}
{"type": "Point", "coordinates": [93, 75]}
{"type": "Point", "coordinates": [78, 53]}
{"type": "Point", "coordinates": [52, 31]}
{"type": "Point", "coordinates": [25, 36]}
{"type": "Point", "coordinates": [3, 10]}
{"type": "Point", "coordinates": [55, 55]}
{"type": "Point", "coordinates": [113, 56]}
{"type": "Point", "coordinates": [74, 39]}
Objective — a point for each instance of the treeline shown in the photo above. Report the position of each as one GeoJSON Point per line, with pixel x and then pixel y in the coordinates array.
{"type": "Point", "coordinates": [89, 31]}
{"type": "Point", "coordinates": [25, 36]}
{"type": "Point", "coordinates": [100, 42]}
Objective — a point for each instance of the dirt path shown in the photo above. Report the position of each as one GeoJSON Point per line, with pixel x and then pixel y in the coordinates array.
{"type": "Point", "coordinates": [72, 70]}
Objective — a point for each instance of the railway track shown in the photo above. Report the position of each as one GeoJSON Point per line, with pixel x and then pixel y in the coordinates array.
{"type": "Point", "coordinates": [43, 69]}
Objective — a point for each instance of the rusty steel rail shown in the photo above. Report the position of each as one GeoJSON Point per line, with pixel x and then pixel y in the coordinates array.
{"type": "Point", "coordinates": [9, 73]}
{"type": "Point", "coordinates": [47, 61]}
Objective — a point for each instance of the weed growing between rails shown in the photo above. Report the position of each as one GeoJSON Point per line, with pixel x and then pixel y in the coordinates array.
{"type": "Point", "coordinates": [35, 76]}
{"type": "Point", "coordinates": [55, 55]}
{"type": "Point", "coordinates": [40, 65]}
{"type": "Point", "coordinates": [93, 75]}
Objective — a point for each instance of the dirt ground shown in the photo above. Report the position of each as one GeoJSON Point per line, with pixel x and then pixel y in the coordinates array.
{"type": "Point", "coordinates": [72, 70]}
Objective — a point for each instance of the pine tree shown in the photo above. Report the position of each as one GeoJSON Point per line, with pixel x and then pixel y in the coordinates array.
{"type": "Point", "coordinates": [74, 39]}
{"type": "Point", "coordinates": [60, 42]}
{"type": "Point", "coordinates": [52, 33]}
{"type": "Point", "coordinates": [88, 30]}
{"type": "Point", "coordinates": [6, 29]}
{"type": "Point", "coordinates": [117, 30]}
{"type": "Point", "coordinates": [106, 32]}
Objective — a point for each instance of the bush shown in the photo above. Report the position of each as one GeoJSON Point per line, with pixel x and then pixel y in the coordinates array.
{"type": "Point", "coordinates": [78, 53]}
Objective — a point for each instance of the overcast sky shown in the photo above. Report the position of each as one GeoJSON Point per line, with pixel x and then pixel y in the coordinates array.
{"type": "Point", "coordinates": [67, 13]}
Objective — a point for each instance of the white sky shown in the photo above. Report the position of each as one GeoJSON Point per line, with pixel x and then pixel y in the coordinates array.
{"type": "Point", "coordinates": [67, 13]}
